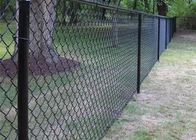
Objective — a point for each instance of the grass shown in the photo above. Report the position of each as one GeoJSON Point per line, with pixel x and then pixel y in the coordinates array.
{"type": "Point", "coordinates": [165, 108]}
{"type": "Point", "coordinates": [64, 101]}
{"type": "Point", "coordinates": [6, 39]}
{"type": "Point", "coordinates": [74, 100]}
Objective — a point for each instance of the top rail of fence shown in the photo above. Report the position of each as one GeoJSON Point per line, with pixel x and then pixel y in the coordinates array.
{"type": "Point", "coordinates": [114, 7]}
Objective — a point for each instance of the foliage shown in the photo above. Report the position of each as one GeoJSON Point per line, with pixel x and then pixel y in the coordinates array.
{"type": "Point", "coordinates": [7, 8]}
{"type": "Point", "coordinates": [134, 4]}
{"type": "Point", "coordinates": [182, 8]}
{"type": "Point", "coordinates": [185, 11]}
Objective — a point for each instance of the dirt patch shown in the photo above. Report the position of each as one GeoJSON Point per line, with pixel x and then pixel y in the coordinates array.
{"type": "Point", "coordinates": [143, 97]}
{"type": "Point", "coordinates": [188, 137]}
{"type": "Point", "coordinates": [185, 35]}
{"type": "Point", "coordinates": [38, 67]}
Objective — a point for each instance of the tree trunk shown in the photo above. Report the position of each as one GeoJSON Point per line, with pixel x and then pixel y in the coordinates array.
{"type": "Point", "coordinates": [153, 7]}
{"type": "Point", "coordinates": [114, 27]}
{"type": "Point", "coordinates": [134, 4]}
{"type": "Point", "coordinates": [64, 12]}
{"type": "Point", "coordinates": [74, 7]}
{"type": "Point", "coordinates": [161, 8]}
{"type": "Point", "coordinates": [42, 19]}
{"type": "Point", "coordinates": [103, 17]}
{"type": "Point", "coordinates": [146, 4]}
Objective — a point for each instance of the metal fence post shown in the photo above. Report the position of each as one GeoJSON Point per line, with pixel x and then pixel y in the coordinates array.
{"type": "Point", "coordinates": [166, 35]}
{"type": "Point", "coordinates": [23, 44]}
{"type": "Point", "coordinates": [158, 53]}
{"type": "Point", "coordinates": [139, 53]}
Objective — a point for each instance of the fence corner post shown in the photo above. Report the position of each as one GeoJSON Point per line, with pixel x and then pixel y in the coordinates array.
{"type": "Point", "coordinates": [23, 46]}
{"type": "Point", "coordinates": [139, 53]}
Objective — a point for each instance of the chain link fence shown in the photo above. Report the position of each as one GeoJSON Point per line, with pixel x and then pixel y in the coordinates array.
{"type": "Point", "coordinates": [85, 62]}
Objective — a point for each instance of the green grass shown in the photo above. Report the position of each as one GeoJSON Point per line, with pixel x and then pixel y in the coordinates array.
{"type": "Point", "coordinates": [164, 108]}
{"type": "Point", "coordinates": [74, 100]}
{"type": "Point", "coordinates": [6, 39]}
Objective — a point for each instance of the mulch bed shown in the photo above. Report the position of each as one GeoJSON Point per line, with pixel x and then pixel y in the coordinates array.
{"type": "Point", "coordinates": [38, 67]}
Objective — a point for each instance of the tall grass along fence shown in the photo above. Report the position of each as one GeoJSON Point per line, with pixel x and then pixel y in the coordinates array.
{"type": "Point", "coordinates": [68, 68]}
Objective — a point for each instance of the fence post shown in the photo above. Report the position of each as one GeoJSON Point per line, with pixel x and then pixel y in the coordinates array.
{"type": "Point", "coordinates": [23, 45]}
{"type": "Point", "coordinates": [166, 34]}
{"type": "Point", "coordinates": [139, 53]}
{"type": "Point", "coordinates": [158, 53]}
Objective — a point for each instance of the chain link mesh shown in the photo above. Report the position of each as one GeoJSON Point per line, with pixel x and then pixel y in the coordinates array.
{"type": "Point", "coordinates": [83, 66]}
{"type": "Point", "coordinates": [168, 36]}
{"type": "Point", "coordinates": [162, 35]}
{"type": "Point", "coordinates": [149, 43]}
{"type": "Point", "coordinates": [8, 75]}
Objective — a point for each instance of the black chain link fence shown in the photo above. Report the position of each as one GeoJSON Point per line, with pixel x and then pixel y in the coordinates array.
{"type": "Point", "coordinates": [85, 62]}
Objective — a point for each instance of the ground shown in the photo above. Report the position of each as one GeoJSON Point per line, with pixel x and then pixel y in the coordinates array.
{"type": "Point", "coordinates": [38, 66]}
{"type": "Point", "coordinates": [166, 107]}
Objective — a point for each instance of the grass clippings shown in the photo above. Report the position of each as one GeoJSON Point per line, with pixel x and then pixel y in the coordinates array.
{"type": "Point", "coordinates": [166, 107]}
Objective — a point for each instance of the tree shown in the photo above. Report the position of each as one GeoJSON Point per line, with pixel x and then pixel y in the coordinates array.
{"type": "Point", "coordinates": [64, 11]}
{"type": "Point", "coordinates": [104, 11]}
{"type": "Point", "coordinates": [161, 7]}
{"type": "Point", "coordinates": [42, 22]}
{"type": "Point", "coordinates": [134, 4]}
{"type": "Point", "coordinates": [114, 26]}
{"type": "Point", "coordinates": [73, 12]}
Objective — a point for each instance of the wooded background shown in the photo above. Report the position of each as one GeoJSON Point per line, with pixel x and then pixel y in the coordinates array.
{"type": "Point", "coordinates": [184, 10]}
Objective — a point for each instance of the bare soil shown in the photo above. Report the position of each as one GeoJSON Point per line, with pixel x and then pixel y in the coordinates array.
{"type": "Point", "coordinates": [38, 66]}
{"type": "Point", "coordinates": [185, 35]}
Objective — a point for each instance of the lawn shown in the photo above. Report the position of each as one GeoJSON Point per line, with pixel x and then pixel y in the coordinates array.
{"type": "Point", "coordinates": [77, 104]}
{"type": "Point", "coordinates": [84, 100]}
{"type": "Point", "coordinates": [165, 108]}
{"type": "Point", "coordinates": [6, 39]}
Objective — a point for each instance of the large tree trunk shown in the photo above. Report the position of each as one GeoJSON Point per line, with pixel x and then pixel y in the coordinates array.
{"type": "Point", "coordinates": [43, 59]}
{"type": "Point", "coordinates": [42, 19]}
{"type": "Point", "coordinates": [161, 8]}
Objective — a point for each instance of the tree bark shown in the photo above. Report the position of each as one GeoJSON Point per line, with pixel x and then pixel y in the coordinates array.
{"type": "Point", "coordinates": [74, 7]}
{"type": "Point", "coordinates": [134, 4]}
{"type": "Point", "coordinates": [161, 8]}
{"type": "Point", "coordinates": [42, 20]}
{"type": "Point", "coordinates": [146, 4]}
{"type": "Point", "coordinates": [64, 12]}
{"type": "Point", "coordinates": [103, 17]}
{"type": "Point", "coordinates": [114, 27]}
